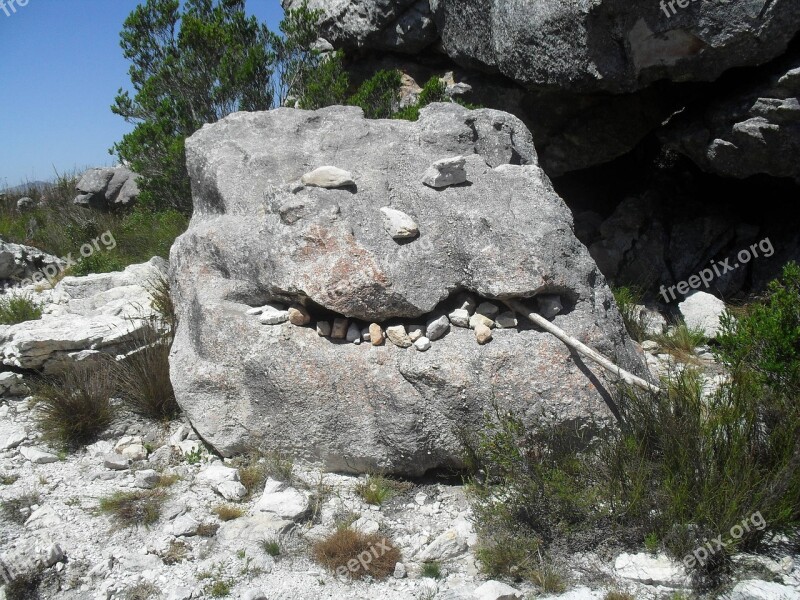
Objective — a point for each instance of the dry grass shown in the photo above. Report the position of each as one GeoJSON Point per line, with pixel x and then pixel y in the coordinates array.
{"type": "Point", "coordinates": [177, 552]}
{"type": "Point", "coordinates": [228, 512]}
{"type": "Point", "coordinates": [617, 595]}
{"type": "Point", "coordinates": [340, 552]}
{"type": "Point", "coordinates": [74, 408]}
{"type": "Point", "coordinates": [207, 530]}
{"type": "Point", "coordinates": [133, 508]}
{"type": "Point", "coordinates": [15, 509]}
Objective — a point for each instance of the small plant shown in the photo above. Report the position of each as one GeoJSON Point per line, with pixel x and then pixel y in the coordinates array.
{"type": "Point", "coordinates": [16, 309]}
{"type": "Point", "coordinates": [338, 551]}
{"type": "Point", "coordinates": [434, 90]}
{"type": "Point", "coordinates": [617, 595]}
{"type": "Point", "coordinates": [176, 552]}
{"type": "Point", "coordinates": [207, 530]}
{"type": "Point", "coordinates": [547, 578]}
{"type": "Point", "coordinates": [142, 378]}
{"type": "Point", "coordinates": [195, 456]}
{"type": "Point", "coordinates": [143, 590]}
{"type": "Point", "coordinates": [681, 341]}
{"type": "Point", "coordinates": [8, 478]}
{"type": "Point", "coordinates": [271, 547]}
{"type": "Point", "coordinates": [133, 508]}
{"type": "Point", "coordinates": [228, 512]}
{"type": "Point", "coordinates": [651, 542]}
{"type": "Point", "coordinates": [253, 469]}
{"type": "Point", "coordinates": [219, 588]}
{"type": "Point", "coordinates": [379, 95]}
{"type": "Point", "coordinates": [432, 569]}
{"type": "Point", "coordinates": [377, 489]}
{"type": "Point", "coordinates": [166, 480]}
{"type": "Point", "coordinates": [75, 408]}
{"type": "Point", "coordinates": [628, 301]}
{"type": "Point", "coordinates": [17, 509]}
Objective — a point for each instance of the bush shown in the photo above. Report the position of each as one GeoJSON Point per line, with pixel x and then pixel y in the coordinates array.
{"type": "Point", "coordinates": [379, 95]}
{"type": "Point", "coordinates": [16, 309]}
{"type": "Point", "coordinates": [376, 489]}
{"type": "Point", "coordinates": [680, 341]}
{"type": "Point", "coordinates": [628, 300]}
{"type": "Point", "coordinates": [432, 569]}
{"type": "Point", "coordinates": [345, 545]}
{"type": "Point", "coordinates": [142, 378]}
{"type": "Point", "coordinates": [228, 512]}
{"type": "Point", "coordinates": [74, 408]}
{"type": "Point", "coordinates": [133, 508]}
{"type": "Point", "coordinates": [16, 509]}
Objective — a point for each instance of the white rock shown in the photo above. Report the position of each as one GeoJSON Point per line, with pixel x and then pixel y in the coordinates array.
{"type": "Point", "coordinates": [180, 434]}
{"type": "Point", "coordinates": [549, 305]}
{"type": "Point", "coordinates": [184, 526]}
{"type": "Point", "coordinates": [217, 473]}
{"type": "Point", "coordinates": [415, 332]}
{"type": "Point", "coordinates": [399, 570]}
{"type": "Point", "coordinates": [702, 311]}
{"type": "Point", "coordinates": [366, 526]}
{"type": "Point", "coordinates": [131, 447]}
{"type": "Point", "coordinates": [495, 590]}
{"type": "Point", "coordinates": [180, 593]}
{"type": "Point", "coordinates": [479, 319]}
{"type": "Point", "coordinates": [420, 498]}
{"type": "Point", "coordinates": [116, 462]}
{"type": "Point", "coordinates": [43, 518]}
{"type": "Point", "coordinates": [328, 177]}
{"type": "Point", "coordinates": [274, 317]}
{"type": "Point", "coordinates": [446, 172]}
{"type": "Point", "coordinates": [754, 589]}
{"type": "Point", "coordinates": [253, 529]}
{"type": "Point", "coordinates": [12, 385]}
{"type": "Point", "coordinates": [254, 595]}
{"type": "Point", "coordinates": [487, 309]}
{"type": "Point", "coordinates": [651, 570]}
{"type": "Point", "coordinates": [506, 320]}
{"type": "Point", "coordinates": [422, 344]}
{"type": "Point", "coordinates": [13, 439]}
{"type": "Point", "coordinates": [189, 447]}
{"type": "Point", "coordinates": [36, 456]}
{"type": "Point", "coordinates": [232, 490]}
{"type": "Point", "coordinates": [146, 478]}
{"type": "Point", "coordinates": [437, 327]}
{"type": "Point", "coordinates": [448, 545]}
{"type": "Point", "coordinates": [398, 224]}
{"type": "Point", "coordinates": [285, 502]}
{"type": "Point", "coordinates": [459, 317]}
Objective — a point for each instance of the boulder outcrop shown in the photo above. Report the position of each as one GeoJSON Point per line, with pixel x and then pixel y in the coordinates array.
{"type": "Point", "coordinates": [260, 238]}
{"type": "Point", "coordinates": [108, 187]}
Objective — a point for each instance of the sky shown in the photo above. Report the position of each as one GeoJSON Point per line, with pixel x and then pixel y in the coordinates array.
{"type": "Point", "coordinates": [60, 68]}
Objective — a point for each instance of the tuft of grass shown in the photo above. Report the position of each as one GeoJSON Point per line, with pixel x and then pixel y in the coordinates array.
{"type": "Point", "coordinates": [219, 588]}
{"type": "Point", "coordinates": [548, 578]}
{"type": "Point", "coordinates": [272, 547]}
{"type": "Point", "coordinates": [377, 489]}
{"type": "Point", "coordinates": [681, 341]}
{"type": "Point", "coordinates": [133, 508]}
{"type": "Point", "coordinates": [142, 378]}
{"type": "Point", "coordinates": [144, 590]}
{"type": "Point", "coordinates": [8, 478]}
{"type": "Point", "coordinates": [651, 542]}
{"type": "Point", "coordinates": [254, 467]}
{"type": "Point", "coordinates": [159, 289]}
{"type": "Point", "coordinates": [166, 480]}
{"type": "Point", "coordinates": [617, 595]}
{"type": "Point", "coordinates": [228, 512]}
{"type": "Point", "coordinates": [628, 301]}
{"type": "Point", "coordinates": [207, 530]}
{"type": "Point", "coordinates": [432, 569]}
{"type": "Point", "coordinates": [74, 408]}
{"type": "Point", "coordinates": [177, 552]}
{"type": "Point", "coordinates": [20, 308]}
{"type": "Point", "coordinates": [345, 545]}
{"type": "Point", "coordinates": [16, 509]}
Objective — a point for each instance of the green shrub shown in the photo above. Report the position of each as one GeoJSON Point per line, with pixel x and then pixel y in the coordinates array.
{"type": "Point", "coordinates": [16, 309]}
{"type": "Point", "coordinates": [628, 300]}
{"type": "Point", "coordinates": [681, 341]}
{"type": "Point", "coordinates": [74, 407]}
{"type": "Point", "coordinates": [379, 95]}
{"type": "Point", "coordinates": [327, 84]}
{"type": "Point", "coordinates": [434, 90]}
{"type": "Point", "coordinates": [133, 508]}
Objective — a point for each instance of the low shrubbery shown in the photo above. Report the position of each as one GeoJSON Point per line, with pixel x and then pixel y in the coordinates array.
{"type": "Point", "coordinates": [141, 507]}
{"type": "Point", "coordinates": [629, 300]}
{"type": "Point", "coordinates": [357, 555]}
{"type": "Point", "coordinates": [680, 469]}
{"type": "Point", "coordinates": [16, 309]}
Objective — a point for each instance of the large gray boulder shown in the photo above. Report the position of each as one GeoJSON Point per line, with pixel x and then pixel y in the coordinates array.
{"type": "Point", "coordinates": [607, 45]}
{"type": "Point", "coordinates": [107, 187]}
{"type": "Point", "coordinates": [19, 262]}
{"type": "Point", "coordinates": [258, 236]}
{"type": "Point", "coordinates": [753, 130]}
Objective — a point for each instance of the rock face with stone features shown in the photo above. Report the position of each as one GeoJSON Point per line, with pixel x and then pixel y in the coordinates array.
{"type": "Point", "coordinates": [257, 238]}
{"type": "Point", "coordinates": [107, 187]}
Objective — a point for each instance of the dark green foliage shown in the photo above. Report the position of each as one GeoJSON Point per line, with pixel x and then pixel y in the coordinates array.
{"type": "Point", "coordinates": [628, 299]}
{"type": "Point", "coordinates": [325, 85]}
{"type": "Point", "coordinates": [433, 91]}
{"type": "Point", "coordinates": [681, 468]}
{"type": "Point", "coordinates": [379, 95]}
{"type": "Point", "coordinates": [191, 63]}
{"type": "Point", "coordinates": [766, 339]}
{"type": "Point", "coordinates": [74, 407]}
{"type": "Point", "coordinates": [18, 309]}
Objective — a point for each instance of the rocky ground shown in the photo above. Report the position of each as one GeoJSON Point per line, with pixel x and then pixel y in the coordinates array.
{"type": "Point", "coordinates": [52, 524]}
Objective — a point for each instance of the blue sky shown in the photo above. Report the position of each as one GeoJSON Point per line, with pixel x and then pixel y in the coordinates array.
{"type": "Point", "coordinates": [60, 68]}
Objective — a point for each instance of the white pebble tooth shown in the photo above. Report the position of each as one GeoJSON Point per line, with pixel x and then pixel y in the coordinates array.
{"type": "Point", "coordinates": [422, 344]}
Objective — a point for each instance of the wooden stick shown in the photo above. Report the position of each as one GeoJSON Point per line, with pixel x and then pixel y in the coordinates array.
{"type": "Point", "coordinates": [583, 349]}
